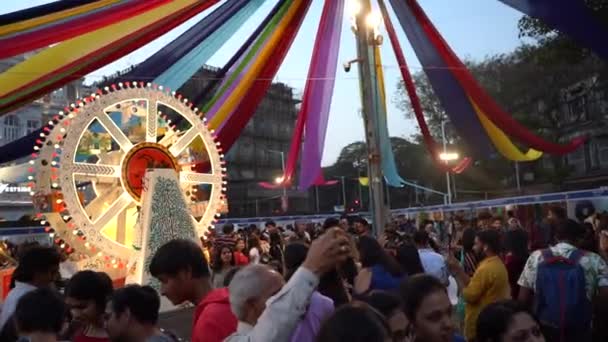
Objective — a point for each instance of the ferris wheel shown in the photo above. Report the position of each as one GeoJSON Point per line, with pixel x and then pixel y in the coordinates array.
{"type": "Point", "coordinates": [90, 162]}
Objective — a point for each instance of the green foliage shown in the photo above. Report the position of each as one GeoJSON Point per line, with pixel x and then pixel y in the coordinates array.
{"type": "Point", "coordinates": [548, 37]}
{"type": "Point", "coordinates": [412, 159]}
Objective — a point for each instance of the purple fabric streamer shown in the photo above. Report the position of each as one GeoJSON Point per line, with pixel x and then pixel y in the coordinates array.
{"type": "Point", "coordinates": [178, 48]}
{"type": "Point", "coordinates": [320, 96]}
{"type": "Point", "coordinates": [220, 102]}
{"type": "Point", "coordinates": [224, 74]}
{"type": "Point", "coordinates": [571, 17]}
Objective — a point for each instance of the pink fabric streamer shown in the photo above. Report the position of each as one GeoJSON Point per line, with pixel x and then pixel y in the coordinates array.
{"type": "Point", "coordinates": [314, 113]}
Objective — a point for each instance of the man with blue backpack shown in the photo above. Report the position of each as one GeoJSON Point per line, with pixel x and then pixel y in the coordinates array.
{"type": "Point", "coordinates": [561, 282]}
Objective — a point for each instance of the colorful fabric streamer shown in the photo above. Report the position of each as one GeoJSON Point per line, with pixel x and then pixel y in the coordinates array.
{"type": "Point", "coordinates": [233, 127]}
{"type": "Point", "coordinates": [65, 30]}
{"type": "Point", "coordinates": [410, 87]}
{"type": "Point", "coordinates": [503, 144]}
{"type": "Point", "coordinates": [311, 81]}
{"type": "Point", "coordinates": [451, 95]}
{"type": "Point", "coordinates": [230, 83]}
{"type": "Point", "coordinates": [177, 74]}
{"type": "Point", "coordinates": [39, 16]}
{"type": "Point", "coordinates": [489, 107]}
{"type": "Point", "coordinates": [572, 17]}
{"type": "Point", "coordinates": [318, 95]}
{"type": "Point", "coordinates": [389, 168]}
{"type": "Point", "coordinates": [171, 53]}
{"type": "Point", "coordinates": [76, 57]}
{"type": "Point", "coordinates": [206, 94]}
{"type": "Point", "coordinates": [251, 75]}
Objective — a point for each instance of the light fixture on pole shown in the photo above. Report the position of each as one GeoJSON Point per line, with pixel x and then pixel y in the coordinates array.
{"type": "Point", "coordinates": [447, 157]}
{"type": "Point", "coordinates": [365, 26]}
{"type": "Point", "coordinates": [279, 180]}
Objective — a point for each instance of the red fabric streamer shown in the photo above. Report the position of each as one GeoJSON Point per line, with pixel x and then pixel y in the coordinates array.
{"type": "Point", "coordinates": [496, 114]}
{"type": "Point", "coordinates": [110, 53]}
{"type": "Point", "coordinates": [244, 111]}
{"type": "Point", "coordinates": [322, 182]}
{"type": "Point", "coordinates": [74, 27]}
{"type": "Point", "coordinates": [430, 143]}
{"type": "Point", "coordinates": [296, 141]}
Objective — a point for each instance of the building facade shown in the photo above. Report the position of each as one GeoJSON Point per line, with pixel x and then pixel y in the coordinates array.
{"type": "Point", "coordinates": [583, 113]}
{"type": "Point", "coordinates": [259, 153]}
{"type": "Point", "coordinates": [15, 199]}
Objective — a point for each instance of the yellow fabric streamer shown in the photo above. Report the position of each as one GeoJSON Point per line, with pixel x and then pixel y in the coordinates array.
{"type": "Point", "coordinates": [49, 18]}
{"type": "Point", "coordinates": [245, 84]}
{"type": "Point", "coordinates": [364, 181]}
{"type": "Point", "coordinates": [380, 75]}
{"type": "Point", "coordinates": [58, 56]}
{"type": "Point", "coordinates": [501, 141]}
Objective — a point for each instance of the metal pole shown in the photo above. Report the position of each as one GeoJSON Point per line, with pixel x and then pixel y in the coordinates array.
{"type": "Point", "coordinates": [317, 197]}
{"type": "Point", "coordinates": [360, 189]}
{"type": "Point", "coordinates": [363, 34]}
{"type": "Point", "coordinates": [343, 193]}
{"type": "Point", "coordinates": [454, 192]}
{"type": "Point", "coordinates": [388, 196]}
{"type": "Point", "coordinates": [517, 177]}
{"type": "Point", "coordinates": [447, 173]}
{"type": "Point", "coordinates": [284, 203]}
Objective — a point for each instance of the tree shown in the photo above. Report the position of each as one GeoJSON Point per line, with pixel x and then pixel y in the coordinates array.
{"type": "Point", "coordinates": [413, 163]}
{"type": "Point", "coordinates": [529, 83]}
{"type": "Point", "coordinates": [546, 36]}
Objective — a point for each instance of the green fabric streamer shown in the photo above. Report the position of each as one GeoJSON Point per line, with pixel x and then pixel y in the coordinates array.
{"type": "Point", "coordinates": [249, 56]}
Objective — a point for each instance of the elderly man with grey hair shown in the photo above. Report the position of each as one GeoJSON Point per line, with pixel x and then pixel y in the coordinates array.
{"type": "Point", "coordinates": [266, 309]}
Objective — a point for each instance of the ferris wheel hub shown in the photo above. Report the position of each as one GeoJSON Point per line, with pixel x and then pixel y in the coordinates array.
{"type": "Point", "coordinates": [140, 158]}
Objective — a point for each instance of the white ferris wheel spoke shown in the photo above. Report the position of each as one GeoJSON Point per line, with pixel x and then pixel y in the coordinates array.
{"type": "Point", "coordinates": [96, 170]}
{"type": "Point", "coordinates": [113, 210]}
{"type": "Point", "coordinates": [151, 123]}
{"type": "Point", "coordinates": [115, 131]}
{"type": "Point", "coordinates": [199, 178]}
{"type": "Point", "coordinates": [183, 141]}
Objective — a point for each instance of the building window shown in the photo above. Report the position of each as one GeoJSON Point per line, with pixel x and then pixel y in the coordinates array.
{"type": "Point", "coordinates": [576, 160]}
{"type": "Point", "coordinates": [547, 162]}
{"type": "Point", "coordinates": [11, 128]}
{"type": "Point", "coordinates": [602, 151]}
{"type": "Point", "coordinates": [32, 125]}
{"type": "Point", "coordinates": [577, 109]}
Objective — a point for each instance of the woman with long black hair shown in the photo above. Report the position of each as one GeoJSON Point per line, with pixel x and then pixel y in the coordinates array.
{"type": "Point", "coordinates": [223, 262]}
{"type": "Point", "coordinates": [379, 270]}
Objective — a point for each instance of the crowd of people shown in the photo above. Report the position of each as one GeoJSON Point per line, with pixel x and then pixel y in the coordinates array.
{"type": "Point", "coordinates": [339, 282]}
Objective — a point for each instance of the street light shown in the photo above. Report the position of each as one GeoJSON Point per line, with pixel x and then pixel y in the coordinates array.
{"type": "Point", "coordinates": [367, 37]}
{"type": "Point", "coordinates": [280, 179]}
{"type": "Point", "coordinates": [448, 156]}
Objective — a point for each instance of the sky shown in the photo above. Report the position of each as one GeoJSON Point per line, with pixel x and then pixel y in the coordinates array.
{"type": "Point", "coordinates": [473, 28]}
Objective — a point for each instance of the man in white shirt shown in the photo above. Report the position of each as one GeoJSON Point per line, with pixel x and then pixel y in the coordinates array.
{"type": "Point", "coordinates": [275, 319]}
{"type": "Point", "coordinates": [432, 262]}
{"type": "Point", "coordinates": [38, 267]}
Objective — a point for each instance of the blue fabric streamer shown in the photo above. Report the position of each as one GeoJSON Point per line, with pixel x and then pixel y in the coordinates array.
{"type": "Point", "coordinates": [389, 169]}
{"type": "Point", "coordinates": [171, 53]}
{"type": "Point", "coordinates": [186, 67]}
{"type": "Point", "coordinates": [452, 96]}
{"type": "Point", "coordinates": [571, 17]}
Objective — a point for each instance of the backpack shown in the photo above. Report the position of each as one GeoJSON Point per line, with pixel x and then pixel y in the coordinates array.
{"type": "Point", "coordinates": [561, 297]}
